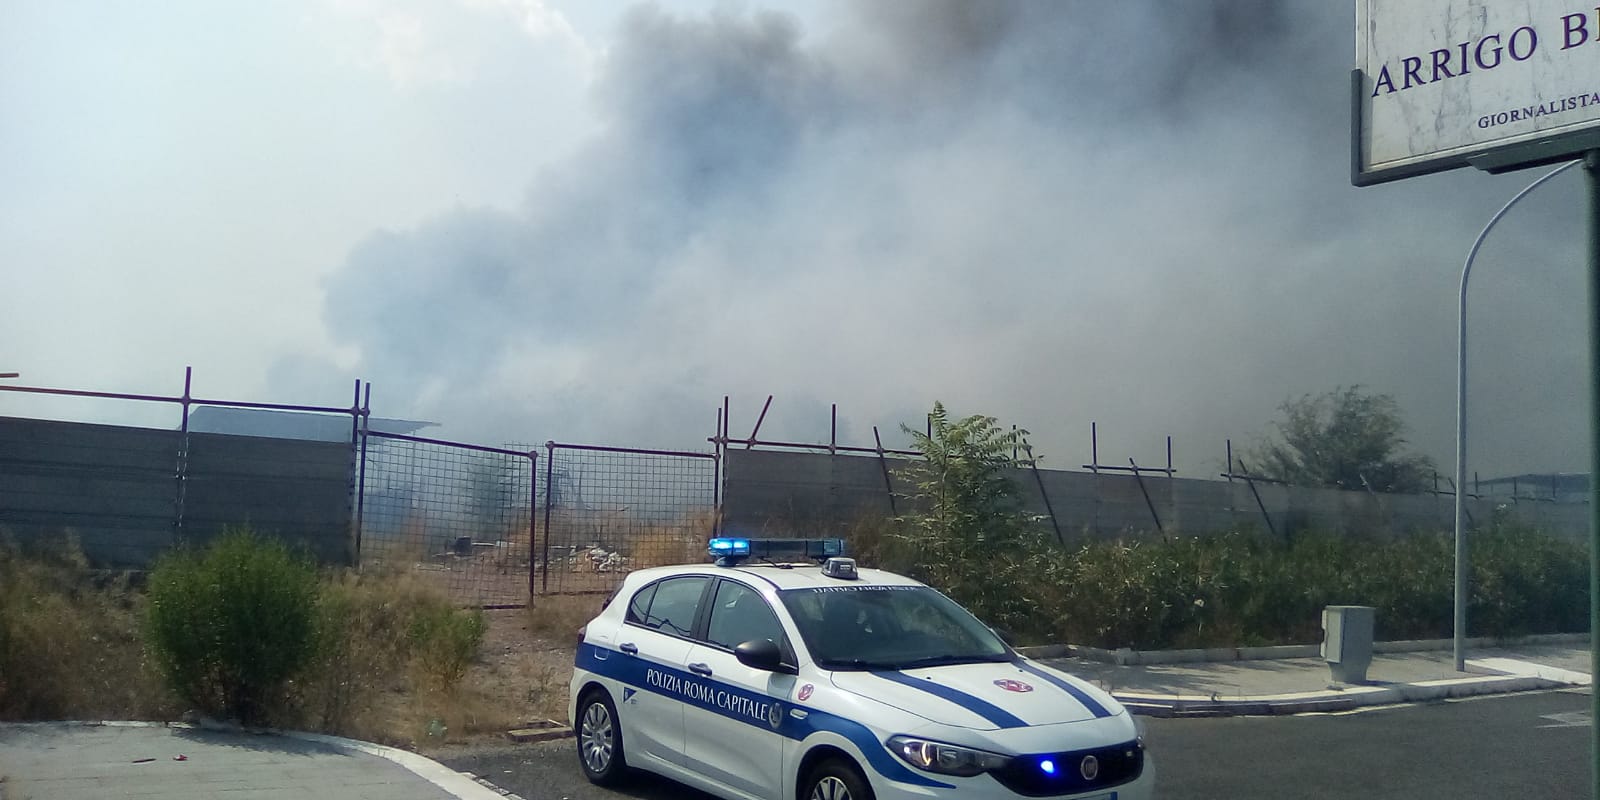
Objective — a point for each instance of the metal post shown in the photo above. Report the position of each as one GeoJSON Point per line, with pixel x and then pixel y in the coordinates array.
{"type": "Point", "coordinates": [1461, 422]}
{"type": "Point", "coordinates": [833, 431]}
{"type": "Point", "coordinates": [183, 460]}
{"type": "Point", "coordinates": [1147, 501]}
{"type": "Point", "coordinates": [1033, 463]}
{"type": "Point", "coordinates": [722, 457]}
{"type": "Point", "coordinates": [1591, 167]}
{"type": "Point", "coordinates": [1230, 460]}
{"type": "Point", "coordinates": [533, 517]}
{"type": "Point", "coordinates": [361, 473]}
{"type": "Point", "coordinates": [757, 429]}
{"type": "Point", "coordinates": [888, 485]}
{"type": "Point", "coordinates": [716, 493]}
{"type": "Point", "coordinates": [1250, 482]}
{"type": "Point", "coordinates": [549, 500]}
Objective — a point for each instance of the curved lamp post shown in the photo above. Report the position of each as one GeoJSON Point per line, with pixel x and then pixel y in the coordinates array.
{"type": "Point", "coordinates": [1461, 420]}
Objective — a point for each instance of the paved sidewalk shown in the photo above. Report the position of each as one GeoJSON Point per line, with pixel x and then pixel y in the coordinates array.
{"type": "Point", "coordinates": [68, 761]}
{"type": "Point", "coordinates": [1295, 685]}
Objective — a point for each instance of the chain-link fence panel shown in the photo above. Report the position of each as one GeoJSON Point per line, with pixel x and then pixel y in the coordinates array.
{"type": "Point", "coordinates": [605, 511]}
{"type": "Point", "coordinates": [455, 515]}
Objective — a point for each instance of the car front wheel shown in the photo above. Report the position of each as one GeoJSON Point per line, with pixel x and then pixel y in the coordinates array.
{"type": "Point", "coordinates": [836, 779]}
{"type": "Point", "coordinates": [600, 740]}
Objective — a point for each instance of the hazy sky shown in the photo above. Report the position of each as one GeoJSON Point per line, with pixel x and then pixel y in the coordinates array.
{"type": "Point", "coordinates": [588, 221]}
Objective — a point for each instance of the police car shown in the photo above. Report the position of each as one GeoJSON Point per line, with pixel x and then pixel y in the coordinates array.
{"type": "Point", "coordinates": [784, 672]}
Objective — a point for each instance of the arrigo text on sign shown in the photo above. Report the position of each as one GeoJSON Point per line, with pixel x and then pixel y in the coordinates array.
{"type": "Point", "coordinates": [1489, 52]}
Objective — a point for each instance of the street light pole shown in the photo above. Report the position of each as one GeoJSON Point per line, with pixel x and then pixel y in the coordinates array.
{"type": "Point", "coordinates": [1461, 421]}
{"type": "Point", "coordinates": [1591, 165]}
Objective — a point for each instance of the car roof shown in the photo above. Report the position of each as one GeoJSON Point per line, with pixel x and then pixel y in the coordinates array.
{"type": "Point", "coordinates": [781, 576]}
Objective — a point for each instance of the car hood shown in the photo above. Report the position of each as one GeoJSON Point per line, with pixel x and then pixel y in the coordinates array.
{"type": "Point", "coordinates": [987, 696]}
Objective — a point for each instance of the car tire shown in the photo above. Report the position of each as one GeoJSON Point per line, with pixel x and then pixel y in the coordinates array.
{"type": "Point", "coordinates": [599, 736]}
{"type": "Point", "coordinates": [836, 779]}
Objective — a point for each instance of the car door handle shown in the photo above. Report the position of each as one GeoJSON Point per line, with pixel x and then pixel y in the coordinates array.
{"type": "Point", "coordinates": [700, 669]}
{"type": "Point", "coordinates": [630, 648]}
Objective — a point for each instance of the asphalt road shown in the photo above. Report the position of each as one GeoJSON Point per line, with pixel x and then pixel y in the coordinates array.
{"type": "Point", "coordinates": [1528, 745]}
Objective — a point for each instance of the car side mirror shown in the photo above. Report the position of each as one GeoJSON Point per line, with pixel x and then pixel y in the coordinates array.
{"type": "Point", "coordinates": [762, 654]}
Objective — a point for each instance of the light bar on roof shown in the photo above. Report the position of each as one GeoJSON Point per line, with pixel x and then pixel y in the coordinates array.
{"type": "Point", "coordinates": [729, 551]}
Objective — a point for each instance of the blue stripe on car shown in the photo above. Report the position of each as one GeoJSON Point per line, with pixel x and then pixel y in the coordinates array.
{"type": "Point", "coordinates": [736, 703]}
{"type": "Point", "coordinates": [1067, 686]}
{"type": "Point", "coordinates": [989, 711]}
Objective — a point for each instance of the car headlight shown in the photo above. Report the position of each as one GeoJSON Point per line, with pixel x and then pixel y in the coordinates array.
{"type": "Point", "coordinates": [944, 758]}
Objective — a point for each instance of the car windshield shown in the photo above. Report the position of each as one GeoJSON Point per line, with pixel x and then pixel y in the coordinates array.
{"type": "Point", "coordinates": [889, 627]}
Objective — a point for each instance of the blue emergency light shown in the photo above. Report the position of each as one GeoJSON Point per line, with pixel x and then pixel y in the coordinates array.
{"type": "Point", "coordinates": [729, 551]}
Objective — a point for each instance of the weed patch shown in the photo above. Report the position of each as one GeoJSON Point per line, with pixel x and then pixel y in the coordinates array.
{"type": "Point", "coordinates": [70, 645]}
{"type": "Point", "coordinates": [1243, 589]}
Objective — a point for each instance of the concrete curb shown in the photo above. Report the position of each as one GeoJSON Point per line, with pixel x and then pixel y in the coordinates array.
{"type": "Point", "coordinates": [1129, 657]}
{"type": "Point", "coordinates": [1158, 705]}
{"type": "Point", "coordinates": [460, 784]}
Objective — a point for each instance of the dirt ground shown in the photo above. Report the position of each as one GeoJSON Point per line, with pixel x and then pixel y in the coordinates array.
{"type": "Point", "coordinates": [522, 672]}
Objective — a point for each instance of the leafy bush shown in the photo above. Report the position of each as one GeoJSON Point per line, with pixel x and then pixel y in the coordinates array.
{"type": "Point", "coordinates": [231, 625]}
{"type": "Point", "coordinates": [444, 640]}
{"type": "Point", "coordinates": [967, 529]}
{"type": "Point", "coordinates": [1243, 589]}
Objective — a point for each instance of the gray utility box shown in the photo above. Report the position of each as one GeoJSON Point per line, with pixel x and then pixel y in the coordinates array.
{"type": "Point", "coordinates": [1347, 641]}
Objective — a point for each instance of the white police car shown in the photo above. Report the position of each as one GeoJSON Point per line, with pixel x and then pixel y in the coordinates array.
{"type": "Point", "coordinates": [758, 679]}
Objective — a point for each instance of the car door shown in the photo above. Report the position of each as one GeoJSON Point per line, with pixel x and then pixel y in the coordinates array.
{"type": "Point", "coordinates": [655, 637]}
{"type": "Point", "coordinates": [731, 732]}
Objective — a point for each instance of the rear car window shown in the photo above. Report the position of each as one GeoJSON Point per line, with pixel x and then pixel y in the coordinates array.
{"type": "Point", "coordinates": [675, 604]}
{"type": "Point", "coordinates": [640, 605]}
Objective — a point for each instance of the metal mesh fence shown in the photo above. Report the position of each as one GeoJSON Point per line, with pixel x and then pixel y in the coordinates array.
{"type": "Point", "coordinates": [606, 511]}
{"type": "Point", "coordinates": [459, 515]}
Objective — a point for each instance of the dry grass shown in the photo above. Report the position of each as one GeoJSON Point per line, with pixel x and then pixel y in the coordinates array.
{"type": "Point", "coordinates": [70, 644]}
{"type": "Point", "coordinates": [520, 676]}
{"type": "Point", "coordinates": [71, 647]}
{"type": "Point", "coordinates": [378, 693]}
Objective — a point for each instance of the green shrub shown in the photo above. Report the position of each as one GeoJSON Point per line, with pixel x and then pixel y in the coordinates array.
{"type": "Point", "coordinates": [444, 642]}
{"type": "Point", "coordinates": [231, 625]}
{"type": "Point", "coordinates": [966, 526]}
{"type": "Point", "coordinates": [1244, 589]}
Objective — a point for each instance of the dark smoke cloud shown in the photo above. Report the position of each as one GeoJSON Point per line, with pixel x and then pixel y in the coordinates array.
{"type": "Point", "coordinates": [1135, 213]}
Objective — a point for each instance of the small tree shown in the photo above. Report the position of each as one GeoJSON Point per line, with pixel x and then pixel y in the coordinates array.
{"type": "Point", "coordinates": [231, 625]}
{"type": "Point", "coordinates": [1346, 438]}
{"type": "Point", "coordinates": [968, 529]}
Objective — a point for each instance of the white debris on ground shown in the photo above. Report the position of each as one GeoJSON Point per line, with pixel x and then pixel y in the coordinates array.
{"type": "Point", "coordinates": [595, 558]}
